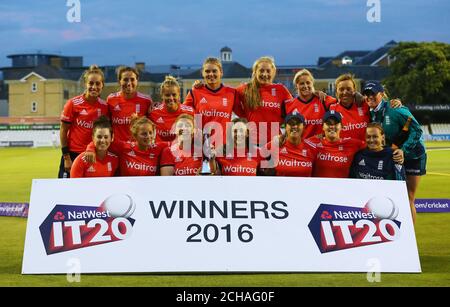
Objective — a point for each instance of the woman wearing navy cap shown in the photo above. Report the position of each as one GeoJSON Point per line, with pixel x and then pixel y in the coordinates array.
{"type": "Point", "coordinates": [288, 155]}
{"type": "Point", "coordinates": [334, 155]}
{"type": "Point", "coordinates": [402, 131]}
{"type": "Point", "coordinates": [355, 115]}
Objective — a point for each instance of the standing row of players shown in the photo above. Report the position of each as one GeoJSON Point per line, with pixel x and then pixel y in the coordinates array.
{"type": "Point", "coordinates": [261, 106]}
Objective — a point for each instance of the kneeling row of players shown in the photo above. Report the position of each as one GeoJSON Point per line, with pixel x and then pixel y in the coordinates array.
{"type": "Point", "coordinates": [325, 155]}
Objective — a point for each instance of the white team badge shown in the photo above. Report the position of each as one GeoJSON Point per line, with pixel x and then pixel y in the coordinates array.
{"type": "Point", "coordinates": [225, 102]}
{"type": "Point", "coordinates": [388, 120]}
{"type": "Point", "coordinates": [132, 153]}
{"type": "Point", "coordinates": [138, 108]}
{"type": "Point", "coordinates": [160, 120]}
{"type": "Point", "coordinates": [83, 112]}
{"type": "Point", "coordinates": [203, 100]}
{"type": "Point", "coordinates": [380, 165]}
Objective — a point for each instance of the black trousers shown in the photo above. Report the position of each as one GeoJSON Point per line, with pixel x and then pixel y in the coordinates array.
{"type": "Point", "coordinates": [62, 173]}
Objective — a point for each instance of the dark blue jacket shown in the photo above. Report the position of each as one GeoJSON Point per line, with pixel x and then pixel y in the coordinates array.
{"type": "Point", "coordinates": [376, 165]}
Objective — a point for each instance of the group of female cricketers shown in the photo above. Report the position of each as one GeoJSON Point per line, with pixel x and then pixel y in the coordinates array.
{"type": "Point", "coordinates": [258, 128]}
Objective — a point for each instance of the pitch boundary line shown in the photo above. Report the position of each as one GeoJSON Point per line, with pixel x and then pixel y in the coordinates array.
{"type": "Point", "coordinates": [438, 174]}
{"type": "Point", "coordinates": [438, 149]}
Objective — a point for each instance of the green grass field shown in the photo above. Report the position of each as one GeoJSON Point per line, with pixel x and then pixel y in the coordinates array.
{"type": "Point", "coordinates": [19, 166]}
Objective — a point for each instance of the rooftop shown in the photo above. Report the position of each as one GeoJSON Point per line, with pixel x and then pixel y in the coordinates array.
{"type": "Point", "coordinates": [231, 70]}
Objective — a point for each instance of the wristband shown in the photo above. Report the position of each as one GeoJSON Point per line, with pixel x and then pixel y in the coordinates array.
{"type": "Point", "coordinates": [65, 150]}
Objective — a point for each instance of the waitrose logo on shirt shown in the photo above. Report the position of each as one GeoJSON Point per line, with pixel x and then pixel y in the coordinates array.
{"type": "Point", "coordinates": [330, 157]}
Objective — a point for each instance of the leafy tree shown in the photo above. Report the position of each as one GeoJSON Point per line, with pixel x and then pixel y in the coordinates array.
{"type": "Point", "coordinates": [420, 73]}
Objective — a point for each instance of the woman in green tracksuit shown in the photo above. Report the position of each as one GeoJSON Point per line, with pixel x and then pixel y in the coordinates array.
{"type": "Point", "coordinates": [402, 131]}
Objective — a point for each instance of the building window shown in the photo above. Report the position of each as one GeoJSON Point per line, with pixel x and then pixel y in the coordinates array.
{"type": "Point", "coordinates": [34, 107]}
{"type": "Point", "coordinates": [66, 94]}
{"type": "Point", "coordinates": [34, 87]}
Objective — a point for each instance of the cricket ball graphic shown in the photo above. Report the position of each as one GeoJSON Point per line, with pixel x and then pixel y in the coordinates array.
{"type": "Point", "coordinates": [382, 207]}
{"type": "Point", "coordinates": [119, 205]}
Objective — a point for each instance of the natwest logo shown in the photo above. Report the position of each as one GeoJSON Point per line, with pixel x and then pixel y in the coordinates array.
{"type": "Point", "coordinates": [69, 227]}
{"type": "Point", "coordinates": [341, 227]}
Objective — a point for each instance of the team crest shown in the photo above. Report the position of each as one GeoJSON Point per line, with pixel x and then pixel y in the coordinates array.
{"type": "Point", "coordinates": [388, 120]}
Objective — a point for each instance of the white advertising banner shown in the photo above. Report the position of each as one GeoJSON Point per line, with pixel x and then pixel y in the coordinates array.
{"type": "Point", "coordinates": [219, 224]}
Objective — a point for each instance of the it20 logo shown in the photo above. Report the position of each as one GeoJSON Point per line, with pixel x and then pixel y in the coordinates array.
{"type": "Point", "coordinates": [68, 227]}
{"type": "Point", "coordinates": [339, 227]}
